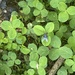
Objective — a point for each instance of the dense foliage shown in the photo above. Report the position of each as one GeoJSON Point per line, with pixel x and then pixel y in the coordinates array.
{"type": "Point", "coordinates": [39, 33]}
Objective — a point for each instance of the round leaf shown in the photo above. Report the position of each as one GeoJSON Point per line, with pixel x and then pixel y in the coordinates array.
{"type": "Point", "coordinates": [46, 40]}
{"type": "Point", "coordinates": [4, 57]}
{"type": "Point", "coordinates": [16, 23]}
{"type": "Point", "coordinates": [24, 50]}
{"type": "Point", "coordinates": [33, 64]}
{"type": "Point", "coordinates": [26, 10]}
{"type": "Point", "coordinates": [32, 47]}
{"type": "Point", "coordinates": [49, 27]}
{"type": "Point", "coordinates": [39, 30]}
{"type": "Point", "coordinates": [63, 16]}
{"type": "Point", "coordinates": [24, 30]}
{"type": "Point", "coordinates": [30, 71]}
{"type": "Point", "coordinates": [69, 62]}
{"type": "Point", "coordinates": [36, 12]}
{"type": "Point", "coordinates": [33, 56]}
{"type": "Point", "coordinates": [43, 51]}
{"type": "Point", "coordinates": [62, 6]}
{"type": "Point", "coordinates": [17, 61]}
{"type": "Point", "coordinates": [10, 63]}
{"type": "Point", "coordinates": [22, 4]}
{"type": "Point", "coordinates": [73, 67]}
{"type": "Point", "coordinates": [6, 25]}
{"type": "Point", "coordinates": [43, 62]}
{"type": "Point", "coordinates": [52, 16]}
{"type": "Point", "coordinates": [66, 52]}
{"type": "Point", "coordinates": [41, 71]}
{"type": "Point", "coordinates": [8, 70]}
{"type": "Point", "coordinates": [12, 55]}
{"type": "Point", "coordinates": [12, 34]}
{"type": "Point", "coordinates": [1, 35]}
{"type": "Point", "coordinates": [39, 5]}
{"type": "Point", "coordinates": [20, 39]}
{"type": "Point", "coordinates": [71, 41]}
{"type": "Point", "coordinates": [71, 10]}
{"type": "Point", "coordinates": [56, 42]}
{"type": "Point", "coordinates": [54, 54]}
{"type": "Point", "coordinates": [44, 13]}
{"type": "Point", "coordinates": [62, 71]}
{"type": "Point", "coordinates": [54, 3]}
{"type": "Point", "coordinates": [72, 23]}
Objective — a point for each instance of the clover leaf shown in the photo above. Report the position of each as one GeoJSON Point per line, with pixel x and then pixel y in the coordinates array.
{"type": "Point", "coordinates": [39, 30]}
{"type": "Point", "coordinates": [71, 10]}
{"type": "Point", "coordinates": [63, 16]}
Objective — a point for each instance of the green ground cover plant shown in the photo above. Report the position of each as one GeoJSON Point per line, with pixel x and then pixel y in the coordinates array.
{"type": "Point", "coordinates": [37, 36]}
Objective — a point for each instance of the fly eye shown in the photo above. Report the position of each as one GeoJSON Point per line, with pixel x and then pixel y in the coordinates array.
{"type": "Point", "coordinates": [45, 38]}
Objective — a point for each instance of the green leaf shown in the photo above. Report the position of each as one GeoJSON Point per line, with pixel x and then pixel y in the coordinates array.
{"type": "Point", "coordinates": [24, 30]}
{"type": "Point", "coordinates": [63, 28]}
{"type": "Point", "coordinates": [10, 63]}
{"type": "Point", "coordinates": [24, 50]}
{"type": "Point", "coordinates": [56, 42]}
{"type": "Point", "coordinates": [31, 3]}
{"type": "Point", "coordinates": [54, 3]}
{"type": "Point", "coordinates": [8, 70]}
{"type": "Point", "coordinates": [52, 16]}
{"type": "Point", "coordinates": [74, 58]}
{"type": "Point", "coordinates": [33, 64]}
{"type": "Point", "coordinates": [26, 10]}
{"type": "Point", "coordinates": [65, 52]}
{"type": "Point", "coordinates": [44, 13]}
{"type": "Point", "coordinates": [39, 6]}
{"type": "Point", "coordinates": [41, 71]}
{"type": "Point", "coordinates": [73, 33]}
{"type": "Point", "coordinates": [56, 25]}
{"type": "Point", "coordinates": [72, 23]}
{"type": "Point", "coordinates": [59, 34]}
{"type": "Point", "coordinates": [69, 62]}
{"type": "Point", "coordinates": [46, 40]}
{"type": "Point", "coordinates": [34, 3]}
{"type": "Point", "coordinates": [5, 40]}
{"type": "Point", "coordinates": [62, 71]}
{"type": "Point", "coordinates": [54, 54]}
{"type": "Point", "coordinates": [71, 41]}
{"type": "Point", "coordinates": [32, 47]}
{"type": "Point", "coordinates": [30, 71]}
{"type": "Point", "coordinates": [14, 45]}
{"type": "Point", "coordinates": [6, 25]}
{"type": "Point", "coordinates": [1, 35]}
{"type": "Point", "coordinates": [70, 70]}
{"type": "Point", "coordinates": [36, 12]}
{"type": "Point", "coordinates": [12, 55]}
{"type": "Point", "coordinates": [43, 51]}
{"type": "Point", "coordinates": [12, 34]}
{"type": "Point", "coordinates": [20, 39]}
{"type": "Point", "coordinates": [63, 16]}
{"type": "Point", "coordinates": [73, 67]}
{"type": "Point", "coordinates": [16, 23]}
{"type": "Point", "coordinates": [62, 6]}
{"type": "Point", "coordinates": [71, 10]}
{"type": "Point", "coordinates": [4, 57]}
{"type": "Point", "coordinates": [22, 4]}
{"type": "Point", "coordinates": [39, 30]}
{"type": "Point", "coordinates": [33, 56]}
{"type": "Point", "coordinates": [17, 61]}
{"type": "Point", "coordinates": [43, 62]}
{"type": "Point", "coordinates": [49, 27]}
